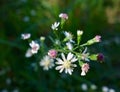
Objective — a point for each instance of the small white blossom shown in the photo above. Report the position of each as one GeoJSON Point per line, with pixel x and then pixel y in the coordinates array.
{"type": "Point", "coordinates": [34, 47]}
{"type": "Point", "coordinates": [85, 56]}
{"type": "Point", "coordinates": [28, 53]}
{"type": "Point", "coordinates": [69, 45]}
{"type": "Point", "coordinates": [66, 63]}
{"type": "Point", "coordinates": [84, 87]}
{"type": "Point", "coordinates": [57, 42]}
{"type": "Point", "coordinates": [25, 36]}
{"type": "Point", "coordinates": [55, 25]}
{"type": "Point", "coordinates": [47, 62]}
{"type": "Point", "coordinates": [93, 87]}
{"type": "Point", "coordinates": [111, 90]}
{"type": "Point", "coordinates": [105, 89]}
{"type": "Point", "coordinates": [79, 32]}
{"type": "Point", "coordinates": [68, 36]}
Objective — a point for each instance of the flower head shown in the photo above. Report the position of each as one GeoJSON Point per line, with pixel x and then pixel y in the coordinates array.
{"type": "Point", "coordinates": [55, 25]}
{"type": "Point", "coordinates": [85, 67]}
{"type": "Point", "coordinates": [100, 57]}
{"type": "Point", "coordinates": [52, 53]}
{"type": "Point", "coordinates": [47, 62]}
{"type": "Point", "coordinates": [25, 36]}
{"type": "Point", "coordinates": [34, 47]}
{"type": "Point", "coordinates": [66, 63]}
{"type": "Point", "coordinates": [84, 87]}
{"type": "Point", "coordinates": [63, 16]}
{"type": "Point", "coordinates": [68, 36]}
{"type": "Point", "coordinates": [69, 45]}
{"type": "Point", "coordinates": [97, 38]}
{"type": "Point", "coordinates": [84, 55]}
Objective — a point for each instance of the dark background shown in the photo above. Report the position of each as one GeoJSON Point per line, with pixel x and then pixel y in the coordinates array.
{"type": "Point", "coordinates": [94, 17]}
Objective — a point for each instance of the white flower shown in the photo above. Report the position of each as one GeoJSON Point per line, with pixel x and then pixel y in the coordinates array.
{"type": "Point", "coordinates": [47, 62]}
{"type": "Point", "coordinates": [57, 42]}
{"type": "Point", "coordinates": [25, 36]}
{"type": "Point", "coordinates": [34, 47]}
{"type": "Point", "coordinates": [66, 63]}
{"type": "Point", "coordinates": [111, 90]}
{"type": "Point", "coordinates": [55, 25]}
{"type": "Point", "coordinates": [85, 56]}
{"type": "Point", "coordinates": [79, 32]}
{"type": "Point", "coordinates": [93, 87]}
{"type": "Point", "coordinates": [105, 89]}
{"type": "Point", "coordinates": [84, 87]}
{"type": "Point", "coordinates": [68, 36]}
{"type": "Point", "coordinates": [28, 53]}
{"type": "Point", "coordinates": [69, 45]}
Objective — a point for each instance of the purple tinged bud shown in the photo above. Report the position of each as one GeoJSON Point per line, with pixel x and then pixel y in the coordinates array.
{"type": "Point", "coordinates": [100, 57]}
{"type": "Point", "coordinates": [97, 38]}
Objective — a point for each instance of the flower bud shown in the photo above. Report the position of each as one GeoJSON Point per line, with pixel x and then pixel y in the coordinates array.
{"type": "Point", "coordinates": [85, 67]}
{"type": "Point", "coordinates": [100, 57]}
{"type": "Point", "coordinates": [97, 38]}
{"type": "Point", "coordinates": [63, 16]}
{"type": "Point", "coordinates": [52, 53]}
{"type": "Point", "coordinates": [79, 32]}
{"type": "Point", "coordinates": [42, 38]}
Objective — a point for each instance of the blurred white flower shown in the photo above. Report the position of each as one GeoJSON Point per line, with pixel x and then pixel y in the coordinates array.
{"type": "Point", "coordinates": [4, 90]}
{"type": "Point", "coordinates": [8, 81]}
{"type": "Point", "coordinates": [34, 47]}
{"type": "Point", "coordinates": [105, 89]}
{"type": "Point", "coordinates": [47, 63]}
{"type": "Point", "coordinates": [93, 87]}
{"type": "Point", "coordinates": [66, 63]}
{"type": "Point", "coordinates": [57, 42]}
{"type": "Point", "coordinates": [69, 45]}
{"type": "Point", "coordinates": [85, 56]}
{"type": "Point", "coordinates": [111, 90]}
{"type": "Point", "coordinates": [42, 38]}
{"type": "Point", "coordinates": [33, 12]}
{"type": "Point", "coordinates": [84, 87]}
{"type": "Point", "coordinates": [15, 90]}
{"type": "Point", "coordinates": [26, 19]}
{"type": "Point", "coordinates": [28, 53]}
{"type": "Point", "coordinates": [55, 25]}
{"type": "Point", "coordinates": [25, 36]}
{"type": "Point", "coordinates": [68, 36]}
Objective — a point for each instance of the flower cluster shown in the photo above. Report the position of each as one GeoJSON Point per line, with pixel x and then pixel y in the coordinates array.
{"type": "Point", "coordinates": [66, 52]}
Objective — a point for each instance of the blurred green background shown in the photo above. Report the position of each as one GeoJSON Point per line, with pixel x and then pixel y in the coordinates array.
{"type": "Point", "coordinates": [94, 17]}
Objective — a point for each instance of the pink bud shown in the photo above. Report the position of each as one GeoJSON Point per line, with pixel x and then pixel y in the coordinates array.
{"type": "Point", "coordinates": [85, 67]}
{"type": "Point", "coordinates": [63, 16]}
{"type": "Point", "coordinates": [52, 53]}
{"type": "Point", "coordinates": [97, 38]}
